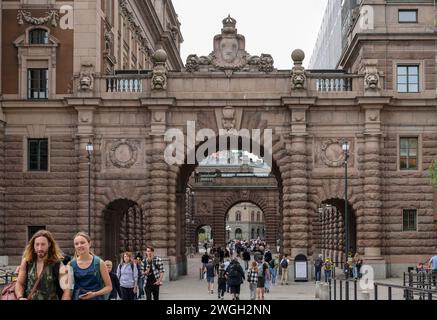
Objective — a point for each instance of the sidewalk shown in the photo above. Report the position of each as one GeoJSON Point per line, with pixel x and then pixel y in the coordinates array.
{"type": "Point", "coordinates": [191, 288]}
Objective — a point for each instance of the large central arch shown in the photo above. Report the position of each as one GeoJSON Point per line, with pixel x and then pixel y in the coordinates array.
{"type": "Point", "coordinates": [183, 172]}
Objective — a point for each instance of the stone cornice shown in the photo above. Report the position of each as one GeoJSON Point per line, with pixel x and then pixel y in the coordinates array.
{"type": "Point", "coordinates": [373, 101]}
{"type": "Point", "coordinates": [299, 101]}
{"type": "Point", "coordinates": [362, 37]}
{"type": "Point", "coordinates": [158, 102]}
{"type": "Point", "coordinates": [78, 102]}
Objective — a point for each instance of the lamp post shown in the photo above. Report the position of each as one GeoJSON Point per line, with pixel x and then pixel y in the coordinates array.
{"type": "Point", "coordinates": [89, 150]}
{"type": "Point", "coordinates": [345, 147]}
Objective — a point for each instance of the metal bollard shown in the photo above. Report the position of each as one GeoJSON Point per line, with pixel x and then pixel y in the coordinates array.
{"type": "Point", "coordinates": [324, 291]}
{"type": "Point", "coordinates": [318, 289]}
{"type": "Point", "coordinates": [365, 295]}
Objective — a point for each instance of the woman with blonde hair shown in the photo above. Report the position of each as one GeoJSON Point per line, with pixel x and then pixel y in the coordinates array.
{"type": "Point", "coordinates": [91, 276]}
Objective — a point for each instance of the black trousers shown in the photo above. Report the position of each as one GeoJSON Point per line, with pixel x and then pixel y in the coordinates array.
{"type": "Point", "coordinates": [127, 293]}
{"type": "Point", "coordinates": [152, 289]}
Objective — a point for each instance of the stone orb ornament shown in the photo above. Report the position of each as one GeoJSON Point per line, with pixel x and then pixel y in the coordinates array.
{"type": "Point", "coordinates": [298, 56]}
{"type": "Point", "coordinates": [160, 56]}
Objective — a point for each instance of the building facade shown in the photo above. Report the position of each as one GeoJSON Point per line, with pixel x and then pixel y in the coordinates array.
{"type": "Point", "coordinates": [245, 222]}
{"type": "Point", "coordinates": [62, 89]}
{"type": "Point", "coordinates": [327, 49]}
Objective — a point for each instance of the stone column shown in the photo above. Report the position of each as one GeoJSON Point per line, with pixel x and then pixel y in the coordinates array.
{"type": "Point", "coordinates": [3, 257]}
{"type": "Point", "coordinates": [85, 133]}
{"type": "Point", "coordinates": [296, 187]}
{"type": "Point", "coordinates": [158, 196]}
{"type": "Point", "coordinates": [369, 223]}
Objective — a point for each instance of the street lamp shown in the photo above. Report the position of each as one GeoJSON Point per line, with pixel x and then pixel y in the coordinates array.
{"type": "Point", "coordinates": [89, 150]}
{"type": "Point", "coordinates": [345, 147]}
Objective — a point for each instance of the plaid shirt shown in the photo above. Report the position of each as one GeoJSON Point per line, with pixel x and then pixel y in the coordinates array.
{"type": "Point", "coordinates": [157, 266]}
{"type": "Point", "coordinates": [252, 276]}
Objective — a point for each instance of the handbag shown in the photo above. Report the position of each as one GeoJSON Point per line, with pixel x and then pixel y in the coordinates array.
{"type": "Point", "coordinates": [8, 292]}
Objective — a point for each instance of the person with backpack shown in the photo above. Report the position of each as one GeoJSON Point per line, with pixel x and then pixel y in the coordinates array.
{"type": "Point", "coordinates": [235, 276]}
{"type": "Point", "coordinates": [139, 263]}
{"type": "Point", "coordinates": [284, 266]}
{"type": "Point", "coordinates": [273, 268]}
{"type": "Point", "coordinates": [252, 278]}
{"type": "Point", "coordinates": [153, 272]}
{"type": "Point", "coordinates": [91, 276]}
{"type": "Point", "coordinates": [39, 272]}
{"type": "Point", "coordinates": [328, 269]}
{"type": "Point", "coordinates": [116, 291]}
{"type": "Point", "coordinates": [262, 278]}
{"type": "Point", "coordinates": [210, 275]}
{"type": "Point", "coordinates": [127, 273]}
{"type": "Point", "coordinates": [246, 258]}
{"type": "Point", "coordinates": [318, 264]}
{"type": "Point", "coordinates": [221, 281]}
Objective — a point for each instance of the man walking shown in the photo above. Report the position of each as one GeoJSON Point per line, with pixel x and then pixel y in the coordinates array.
{"type": "Point", "coordinates": [39, 274]}
{"type": "Point", "coordinates": [318, 264]}
{"type": "Point", "coordinates": [154, 273]}
{"type": "Point", "coordinates": [433, 265]}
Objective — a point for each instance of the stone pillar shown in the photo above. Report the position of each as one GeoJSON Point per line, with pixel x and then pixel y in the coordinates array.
{"type": "Point", "coordinates": [369, 223]}
{"type": "Point", "coordinates": [3, 257]}
{"type": "Point", "coordinates": [296, 209]}
{"type": "Point", "coordinates": [159, 193]}
{"type": "Point", "coordinates": [85, 134]}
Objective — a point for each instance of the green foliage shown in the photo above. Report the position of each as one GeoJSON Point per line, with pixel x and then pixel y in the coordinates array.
{"type": "Point", "coordinates": [433, 172]}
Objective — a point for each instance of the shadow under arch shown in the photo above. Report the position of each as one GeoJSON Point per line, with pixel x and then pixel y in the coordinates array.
{"type": "Point", "coordinates": [329, 230]}
{"type": "Point", "coordinates": [124, 229]}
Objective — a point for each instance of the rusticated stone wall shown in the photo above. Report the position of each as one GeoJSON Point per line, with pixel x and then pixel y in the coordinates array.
{"type": "Point", "coordinates": [2, 185]}
{"type": "Point", "coordinates": [408, 190]}
{"type": "Point", "coordinates": [39, 198]}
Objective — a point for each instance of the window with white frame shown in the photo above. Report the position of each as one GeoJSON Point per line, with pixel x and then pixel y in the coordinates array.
{"type": "Point", "coordinates": [408, 78]}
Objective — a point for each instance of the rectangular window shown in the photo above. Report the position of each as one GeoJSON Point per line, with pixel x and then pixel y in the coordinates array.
{"type": "Point", "coordinates": [408, 153]}
{"type": "Point", "coordinates": [408, 78]}
{"type": "Point", "coordinates": [31, 230]}
{"type": "Point", "coordinates": [37, 84]}
{"type": "Point", "coordinates": [408, 16]}
{"type": "Point", "coordinates": [37, 154]}
{"type": "Point", "coordinates": [409, 220]}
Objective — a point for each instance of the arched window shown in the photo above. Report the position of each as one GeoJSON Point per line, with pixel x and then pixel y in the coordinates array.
{"type": "Point", "coordinates": [252, 216]}
{"type": "Point", "coordinates": [258, 217]}
{"type": "Point", "coordinates": [38, 36]}
{"type": "Point", "coordinates": [238, 216]}
{"type": "Point", "coordinates": [238, 234]}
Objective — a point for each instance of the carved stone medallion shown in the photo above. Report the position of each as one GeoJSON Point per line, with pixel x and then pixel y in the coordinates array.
{"type": "Point", "coordinates": [123, 154]}
{"type": "Point", "coordinates": [332, 153]}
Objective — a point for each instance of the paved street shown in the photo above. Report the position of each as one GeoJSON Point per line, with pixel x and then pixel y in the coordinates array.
{"type": "Point", "coordinates": [191, 288]}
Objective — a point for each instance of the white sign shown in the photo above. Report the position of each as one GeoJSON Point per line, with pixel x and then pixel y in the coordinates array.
{"type": "Point", "coordinates": [301, 270]}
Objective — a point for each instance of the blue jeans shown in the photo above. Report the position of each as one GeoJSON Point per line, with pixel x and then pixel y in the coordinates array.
{"type": "Point", "coordinates": [273, 273]}
{"type": "Point", "coordinates": [328, 275]}
{"type": "Point", "coordinates": [318, 273]}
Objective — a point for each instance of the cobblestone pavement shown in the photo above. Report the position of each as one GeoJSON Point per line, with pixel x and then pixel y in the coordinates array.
{"type": "Point", "coordinates": [189, 287]}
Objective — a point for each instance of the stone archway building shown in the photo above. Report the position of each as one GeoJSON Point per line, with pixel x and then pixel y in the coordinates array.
{"type": "Point", "coordinates": [126, 117]}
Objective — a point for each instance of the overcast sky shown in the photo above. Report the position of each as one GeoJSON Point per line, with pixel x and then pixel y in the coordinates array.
{"type": "Point", "coordinates": [276, 27]}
